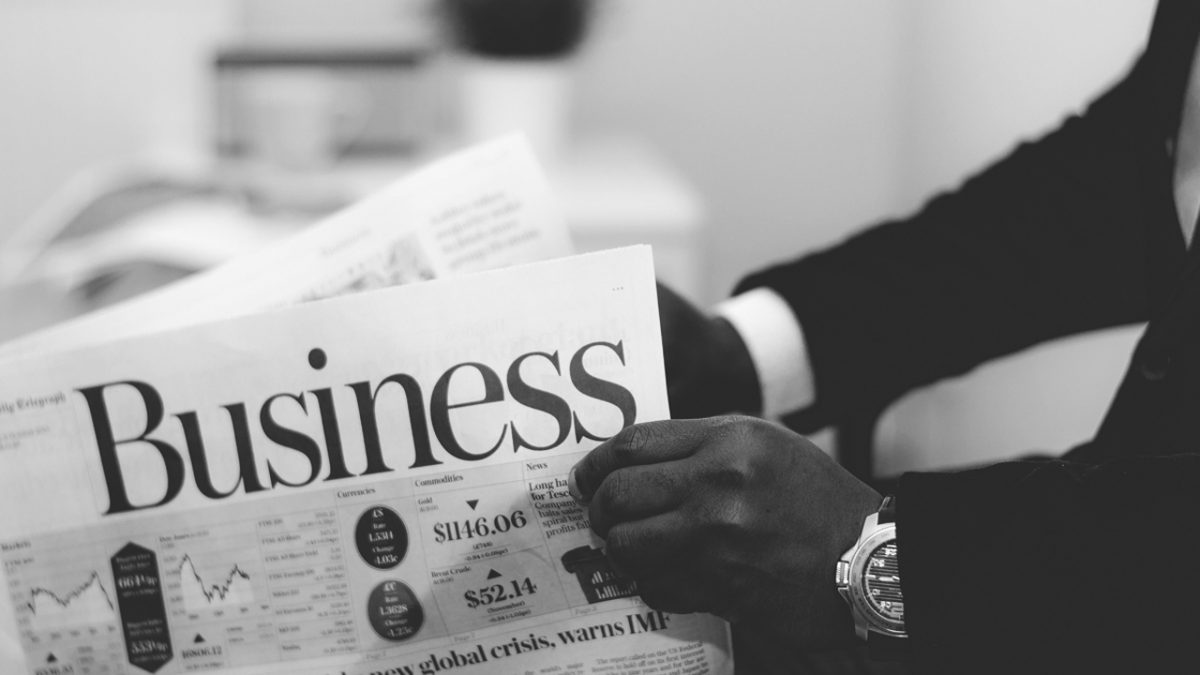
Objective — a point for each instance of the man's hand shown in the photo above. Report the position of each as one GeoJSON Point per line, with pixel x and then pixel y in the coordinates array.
{"type": "Point", "coordinates": [730, 515]}
{"type": "Point", "coordinates": [709, 371]}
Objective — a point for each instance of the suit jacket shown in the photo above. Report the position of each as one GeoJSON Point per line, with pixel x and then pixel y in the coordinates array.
{"type": "Point", "coordinates": [1089, 563]}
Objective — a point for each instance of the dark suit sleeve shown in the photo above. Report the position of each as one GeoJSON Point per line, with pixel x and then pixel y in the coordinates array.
{"type": "Point", "coordinates": [1052, 566]}
{"type": "Point", "coordinates": [1049, 241]}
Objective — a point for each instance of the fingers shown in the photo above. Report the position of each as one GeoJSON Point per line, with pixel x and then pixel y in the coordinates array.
{"type": "Point", "coordinates": [636, 492]}
{"type": "Point", "coordinates": [651, 552]}
{"type": "Point", "coordinates": [650, 547]}
{"type": "Point", "coordinates": [638, 445]}
{"type": "Point", "coordinates": [674, 593]}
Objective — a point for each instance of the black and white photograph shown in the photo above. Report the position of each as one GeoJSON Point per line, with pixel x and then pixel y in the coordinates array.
{"type": "Point", "coordinates": [599, 337]}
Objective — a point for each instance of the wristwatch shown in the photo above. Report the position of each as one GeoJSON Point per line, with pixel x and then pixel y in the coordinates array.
{"type": "Point", "coordinates": [868, 577]}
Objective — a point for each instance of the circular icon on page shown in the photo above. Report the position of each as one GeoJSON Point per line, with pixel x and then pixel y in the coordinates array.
{"type": "Point", "coordinates": [381, 537]}
{"type": "Point", "coordinates": [394, 611]}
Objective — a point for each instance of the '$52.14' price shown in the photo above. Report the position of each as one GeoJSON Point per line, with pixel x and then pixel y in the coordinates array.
{"type": "Point", "coordinates": [457, 530]}
{"type": "Point", "coordinates": [509, 590]}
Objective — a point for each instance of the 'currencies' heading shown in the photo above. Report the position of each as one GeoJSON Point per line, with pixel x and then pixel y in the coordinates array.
{"type": "Point", "coordinates": [327, 461]}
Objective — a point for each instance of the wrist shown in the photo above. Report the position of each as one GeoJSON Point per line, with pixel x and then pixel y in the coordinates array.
{"type": "Point", "coordinates": [868, 578]}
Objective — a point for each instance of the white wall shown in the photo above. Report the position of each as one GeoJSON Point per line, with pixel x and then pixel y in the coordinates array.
{"type": "Point", "coordinates": [784, 113]}
{"type": "Point", "coordinates": [981, 75]}
{"type": "Point", "coordinates": [85, 81]}
{"type": "Point", "coordinates": [801, 121]}
{"type": "Point", "coordinates": [338, 22]}
{"type": "Point", "coordinates": [798, 120]}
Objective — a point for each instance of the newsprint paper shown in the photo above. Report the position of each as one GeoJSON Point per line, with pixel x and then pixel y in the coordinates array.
{"type": "Point", "coordinates": [483, 208]}
{"type": "Point", "coordinates": [369, 484]}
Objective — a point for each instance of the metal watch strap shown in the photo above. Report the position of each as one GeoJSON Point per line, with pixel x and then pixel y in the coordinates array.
{"type": "Point", "coordinates": [884, 647]}
{"type": "Point", "coordinates": [887, 510]}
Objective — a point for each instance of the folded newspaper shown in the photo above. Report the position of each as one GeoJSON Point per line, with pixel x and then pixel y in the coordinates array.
{"type": "Point", "coordinates": [484, 208]}
{"type": "Point", "coordinates": [369, 484]}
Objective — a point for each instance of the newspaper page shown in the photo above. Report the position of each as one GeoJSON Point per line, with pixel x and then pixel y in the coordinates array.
{"type": "Point", "coordinates": [373, 484]}
{"type": "Point", "coordinates": [484, 208]}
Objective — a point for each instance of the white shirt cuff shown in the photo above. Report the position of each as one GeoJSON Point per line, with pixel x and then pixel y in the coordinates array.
{"type": "Point", "coordinates": [775, 340]}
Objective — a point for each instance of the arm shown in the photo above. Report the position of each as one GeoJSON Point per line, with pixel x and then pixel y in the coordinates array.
{"type": "Point", "coordinates": [1050, 241]}
{"type": "Point", "coordinates": [1020, 567]}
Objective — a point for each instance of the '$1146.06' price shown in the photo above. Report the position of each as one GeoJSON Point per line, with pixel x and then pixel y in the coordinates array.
{"type": "Point", "coordinates": [509, 590]}
{"type": "Point", "coordinates": [457, 530]}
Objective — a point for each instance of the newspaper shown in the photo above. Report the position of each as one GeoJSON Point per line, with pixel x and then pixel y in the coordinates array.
{"type": "Point", "coordinates": [364, 485]}
{"type": "Point", "coordinates": [483, 208]}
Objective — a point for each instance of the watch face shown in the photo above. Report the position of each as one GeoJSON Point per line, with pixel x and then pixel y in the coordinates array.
{"type": "Point", "coordinates": [881, 583]}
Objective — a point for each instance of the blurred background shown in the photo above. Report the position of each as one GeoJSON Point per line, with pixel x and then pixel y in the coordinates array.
{"type": "Point", "coordinates": [141, 140]}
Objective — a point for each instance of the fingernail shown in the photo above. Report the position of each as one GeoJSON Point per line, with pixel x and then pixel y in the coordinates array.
{"type": "Point", "coordinates": [573, 487]}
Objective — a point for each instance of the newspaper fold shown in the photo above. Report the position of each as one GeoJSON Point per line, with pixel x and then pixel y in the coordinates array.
{"type": "Point", "coordinates": [484, 208]}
